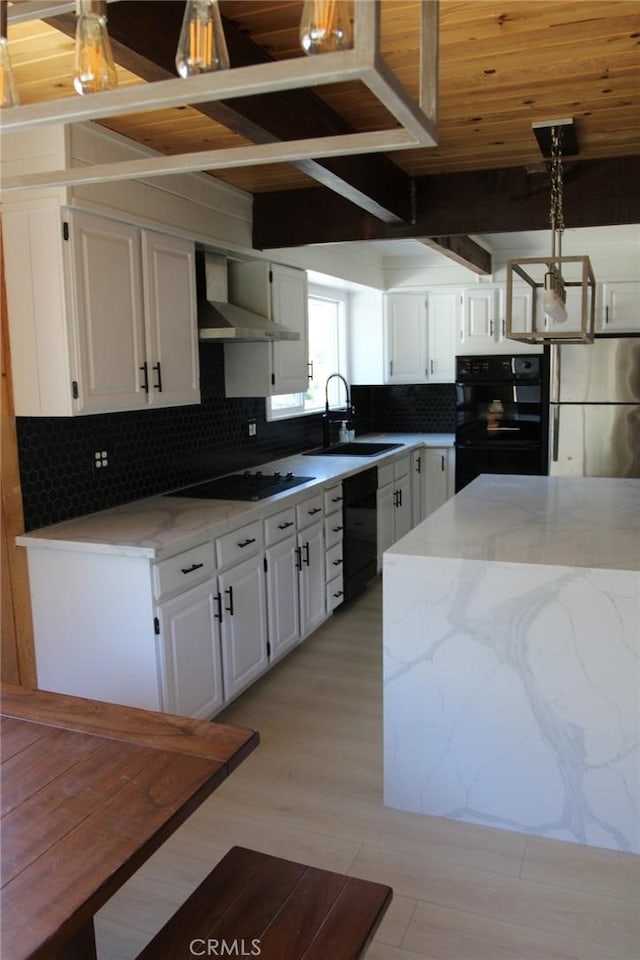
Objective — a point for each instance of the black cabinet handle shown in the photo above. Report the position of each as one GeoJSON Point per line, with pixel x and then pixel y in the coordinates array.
{"type": "Point", "coordinates": [229, 609]}
{"type": "Point", "coordinates": [145, 370]}
{"type": "Point", "coordinates": [418, 464]}
{"type": "Point", "coordinates": [158, 385]}
{"type": "Point", "coordinates": [442, 462]}
{"type": "Point", "coordinates": [315, 510]}
{"type": "Point", "coordinates": [337, 563]}
{"type": "Point", "coordinates": [306, 553]}
{"type": "Point", "coordinates": [283, 526]}
{"type": "Point", "coordinates": [310, 370]}
{"type": "Point", "coordinates": [399, 498]}
{"type": "Point", "coordinates": [245, 543]}
{"type": "Point", "coordinates": [339, 593]}
{"type": "Point", "coordinates": [336, 499]}
{"type": "Point", "coordinates": [395, 498]}
{"type": "Point", "coordinates": [336, 529]}
{"type": "Point", "coordinates": [194, 566]}
{"type": "Point", "coordinates": [218, 600]}
{"type": "Point", "coordinates": [298, 558]}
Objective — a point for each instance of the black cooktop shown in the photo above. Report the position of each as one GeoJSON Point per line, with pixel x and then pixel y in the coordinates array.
{"type": "Point", "coordinates": [242, 486]}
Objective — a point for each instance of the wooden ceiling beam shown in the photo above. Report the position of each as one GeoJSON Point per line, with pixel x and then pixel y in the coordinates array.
{"type": "Point", "coordinates": [144, 37]}
{"type": "Point", "coordinates": [462, 250]}
{"type": "Point", "coordinates": [596, 193]}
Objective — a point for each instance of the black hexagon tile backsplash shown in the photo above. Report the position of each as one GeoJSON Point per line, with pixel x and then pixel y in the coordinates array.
{"type": "Point", "coordinates": [152, 451]}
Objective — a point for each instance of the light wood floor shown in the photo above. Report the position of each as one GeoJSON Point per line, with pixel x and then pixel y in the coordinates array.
{"type": "Point", "coordinates": [313, 791]}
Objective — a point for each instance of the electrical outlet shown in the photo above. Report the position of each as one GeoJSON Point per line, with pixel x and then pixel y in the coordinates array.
{"type": "Point", "coordinates": [253, 428]}
{"type": "Point", "coordinates": [100, 460]}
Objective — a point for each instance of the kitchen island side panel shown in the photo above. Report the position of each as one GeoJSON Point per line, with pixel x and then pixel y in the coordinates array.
{"type": "Point", "coordinates": [511, 696]}
{"type": "Point", "coordinates": [93, 626]}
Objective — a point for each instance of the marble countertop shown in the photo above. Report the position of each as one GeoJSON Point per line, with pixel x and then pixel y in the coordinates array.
{"type": "Point", "coordinates": [565, 521]}
{"type": "Point", "coordinates": [160, 526]}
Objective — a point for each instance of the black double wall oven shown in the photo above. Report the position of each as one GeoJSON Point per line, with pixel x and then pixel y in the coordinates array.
{"type": "Point", "coordinates": [500, 416]}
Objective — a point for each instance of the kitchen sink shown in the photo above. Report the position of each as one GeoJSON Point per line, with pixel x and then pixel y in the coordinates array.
{"type": "Point", "coordinates": [356, 449]}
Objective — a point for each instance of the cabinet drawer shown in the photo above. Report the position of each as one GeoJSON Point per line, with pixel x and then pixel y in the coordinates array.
{"type": "Point", "coordinates": [333, 499]}
{"type": "Point", "coordinates": [335, 593]}
{"type": "Point", "coordinates": [184, 570]}
{"type": "Point", "coordinates": [333, 530]}
{"type": "Point", "coordinates": [279, 526]}
{"type": "Point", "coordinates": [240, 544]}
{"type": "Point", "coordinates": [333, 561]}
{"type": "Point", "coordinates": [385, 475]}
{"type": "Point", "coordinates": [401, 467]}
{"type": "Point", "coordinates": [309, 511]}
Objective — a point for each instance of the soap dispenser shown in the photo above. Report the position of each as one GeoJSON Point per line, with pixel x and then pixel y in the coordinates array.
{"type": "Point", "coordinates": [344, 432]}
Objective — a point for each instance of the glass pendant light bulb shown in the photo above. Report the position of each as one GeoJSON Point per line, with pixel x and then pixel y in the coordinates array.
{"type": "Point", "coordinates": [94, 69]}
{"type": "Point", "coordinates": [8, 92]}
{"type": "Point", "coordinates": [201, 47]}
{"type": "Point", "coordinates": [326, 26]}
{"type": "Point", "coordinates": [552, 302]}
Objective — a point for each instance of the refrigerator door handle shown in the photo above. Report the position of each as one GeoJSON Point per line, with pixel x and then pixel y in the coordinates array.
{"type": "Point", "coordinates": [555, 432]}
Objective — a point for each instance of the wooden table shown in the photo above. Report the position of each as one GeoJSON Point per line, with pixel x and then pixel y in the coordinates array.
{"type": "Point", "coordinates": [89, 791]}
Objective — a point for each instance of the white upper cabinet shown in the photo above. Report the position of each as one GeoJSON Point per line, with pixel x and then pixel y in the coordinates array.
{"type": "Point", "coordinates": [270, 368]}
{"type": "Point", "coordinates": [171, 319]}
{"type": "Point", "coordinates": [483, 322]}
{"type": "Point", "coordinates": [421, 333]}
{"type": "Point", "coordinates": [620, 311]}
{"type": "Point", "coordinates": [102, 315]}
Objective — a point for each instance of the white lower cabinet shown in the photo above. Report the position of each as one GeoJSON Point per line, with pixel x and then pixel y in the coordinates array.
{"type": "Point", "coordinates": [311, 575]}
{"type": "Point", "coordinates": [395, 514]}
{"type": "Point", "coordinates": [189, 652]}
{"type": "Point", "coordinates": [439, 477]}
{"type": "Point", "coordinates": [243, 625]}
{"type": "Point", "coordinates": [282, 597]}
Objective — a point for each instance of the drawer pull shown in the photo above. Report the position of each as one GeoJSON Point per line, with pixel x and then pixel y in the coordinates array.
{"type": "Point", "coordinates": [336, 529]}
{"type": "Point", "coordinates": [339, 593]}
{"type": "Point", "coordinates": [337, 563]}
{"type": "Point", "coordinates": [218, 600]}
{"type": "Point", "coordinates": [336, 499]}
{"type": "Point", "coordinates": [283, 526]}
{"type": "Point", "coordinates": [314, 510]}
{"type": "Point", "coordinates": [194, 566]}
{"type": "Point", "coordinates": [229, 609]}
{"type": "Point", "coordinates": [245, 543]}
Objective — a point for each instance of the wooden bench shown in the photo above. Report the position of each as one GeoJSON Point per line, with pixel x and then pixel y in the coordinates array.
{"type": "Point", "coordinates": [253, 904]}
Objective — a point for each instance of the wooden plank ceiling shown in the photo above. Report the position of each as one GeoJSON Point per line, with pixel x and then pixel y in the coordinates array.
{"type": "Point", "coordinates": [503, 65]}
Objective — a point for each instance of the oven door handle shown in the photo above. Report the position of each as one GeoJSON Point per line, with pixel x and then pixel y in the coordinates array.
{"type": "Point", "coordinates": [555, 433]}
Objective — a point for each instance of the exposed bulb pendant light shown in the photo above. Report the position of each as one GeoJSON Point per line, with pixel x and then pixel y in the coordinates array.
{"type": "Point", "coordinates": [201, 47]}
{"type": "Point", "coordinates": [326, 26]}
{"type": "Point", "coordinates": [554, 301]}
{"type": "Point", "coordinates": [8, 92]}
{"type": "Point", "coordinates": [94, 68]}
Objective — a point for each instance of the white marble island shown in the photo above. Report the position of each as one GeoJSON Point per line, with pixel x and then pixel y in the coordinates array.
{"type": "Point", "coordinates": [511, 660]}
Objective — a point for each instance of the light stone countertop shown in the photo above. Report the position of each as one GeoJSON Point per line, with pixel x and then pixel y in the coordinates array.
{"type": "Point", "coordinates": [564, 521]}
{"type": "Point", "coordinates": [160, 526]}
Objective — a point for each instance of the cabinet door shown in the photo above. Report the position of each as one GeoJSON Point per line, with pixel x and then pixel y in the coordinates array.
{"type": "Point", "coordinates": [171, 319]}
{"type": "Point", "coordinates": [406, 337]}
{"type": "Point", "coordinates": [437, 480]}
{"type": "Point", "coordinates": [282, 597]}
{"type": "Point", "coordinates": [403, 513]}
{"type": "Point", "coordinates": [189, 652]}
{"type": "Point", "coordinates": [620, 307]}
{"type": "Point", "coordinates": [386, 518]}
{"type": "Point", "coordinates": [289, 307]}
{"type": "Point", "coordinates": [312, 578]}
{"type": "Point", "coordinates": [442, 331]}
{"type": "Point", "coordinates": [244, 625]}
{"type": "Point", "coordinates": [417, 486]}
{"type": "Point", "coordinates": [480, 320]}
{"type": "Point", "coordinates": [108, 310]}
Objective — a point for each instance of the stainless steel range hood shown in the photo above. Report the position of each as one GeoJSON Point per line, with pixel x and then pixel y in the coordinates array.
{"type": "Point", "coordinates": [223, 321]}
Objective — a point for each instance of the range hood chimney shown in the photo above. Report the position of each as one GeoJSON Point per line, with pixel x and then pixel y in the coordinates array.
{"type": "Point", "coordinates": [220, 320]}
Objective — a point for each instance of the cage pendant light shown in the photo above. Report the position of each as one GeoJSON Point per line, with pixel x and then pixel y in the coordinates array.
{"type": "Point", "coordinates": [565, 313]}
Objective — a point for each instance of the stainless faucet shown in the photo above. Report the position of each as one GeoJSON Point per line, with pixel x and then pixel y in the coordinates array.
{"type": "Point", "coordinates": [326, 417]}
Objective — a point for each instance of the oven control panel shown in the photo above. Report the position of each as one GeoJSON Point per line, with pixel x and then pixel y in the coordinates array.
{"type": "Point", "coordinates": [498, 368]}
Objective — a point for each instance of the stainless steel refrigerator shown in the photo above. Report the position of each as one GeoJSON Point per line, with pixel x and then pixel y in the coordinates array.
{"type": "Point", "coordinates": [594, 414]}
